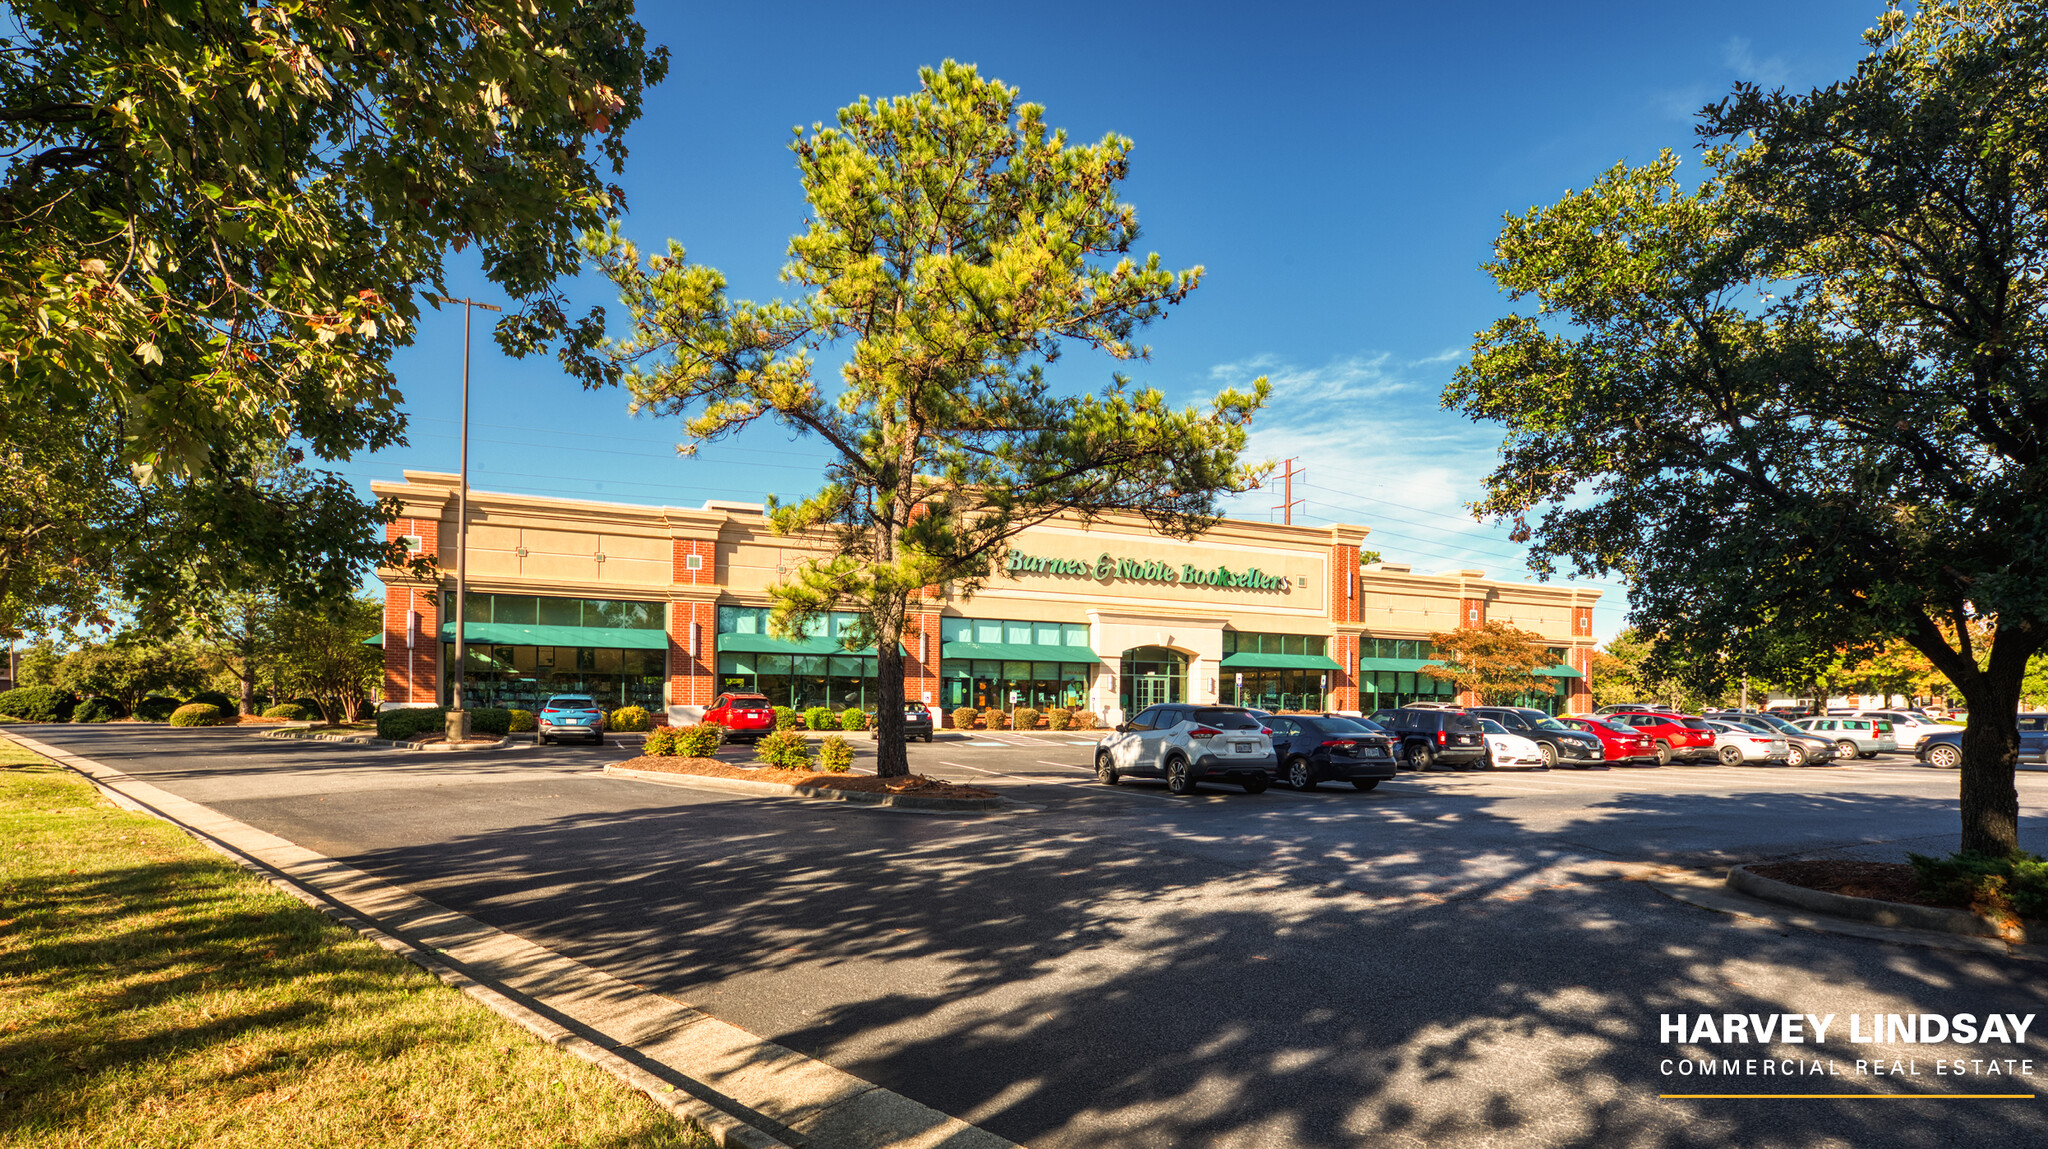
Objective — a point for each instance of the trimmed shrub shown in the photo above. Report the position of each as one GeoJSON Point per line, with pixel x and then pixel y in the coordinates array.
{"type": "Point", "coordinates": [785, 718]}
{"type": "Point", "coordinates": [491, 720]}
{"type": "Point", "coordinates": [523, 721]}
{"type": "Point", "coordinates": [310, 705]}
{"type": "Point", "coordinates": [197, 714]}
{"type": "Point", "coordinates": [398, 725]}
{"type": "Point", "coordinates": [660, 744]}
{"type": "Point", "coordinates": [1026, 718]}
{"type": "Point", "coordinates": [994, 719]}
{"type": "Point", "coordinates": [290, 711]}
{"type": "Point", "coordinates": [217, 700]}
{"type": "Point", "coordinates": [99, 708]}
{"type": "Point", "coordinates": [1084, 720]}
{"type": "Point", "coordinates": [2002, 887]}
{"type": "Point", "coordinates": [699, 741]}
{"type": "Point", "coordinates": [820, 718]}
{"type": "Point", "coordinates": [851, 719]}
{"type": "Point", "coordinates": [963, 718]}
{"type": "Point", "coordinates": [38, 704]}
{"type": "Point", "coordinates": [785, 749]}
{"type": "Point", "coordinates": [629, 718]}
{"type": "Point", "coordinates": [835, 756]}
{"type": "Point", "coordinates": [156, 708]}
{"type": "Point", "coordinates": [1058, 718]}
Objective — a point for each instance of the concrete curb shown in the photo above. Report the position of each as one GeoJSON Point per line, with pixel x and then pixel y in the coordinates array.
{"type": "Point", "coordinates": [745, 1091]}
{"type": "Point", "coordinates": [1939, 919]}
{"type": "Point", "coordinates": [785, 790]}
{"type": "Point", "coordinates": [1710, 891]}
{"type": "Point", "coordinates": [372, 742]}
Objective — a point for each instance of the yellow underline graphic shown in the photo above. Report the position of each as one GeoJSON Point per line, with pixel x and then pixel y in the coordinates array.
{"type": "Point", "coordinates": [1845, 1096]}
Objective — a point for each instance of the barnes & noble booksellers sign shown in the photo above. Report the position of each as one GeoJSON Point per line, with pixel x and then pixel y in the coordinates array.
{"type": "Point", "coordinates": [1107, 567]}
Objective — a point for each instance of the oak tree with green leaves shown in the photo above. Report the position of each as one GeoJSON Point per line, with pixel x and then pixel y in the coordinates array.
{"type": "Point", "coordinates": [956, 245]}
{"type": "Point", "coordinates": [216, 221]}
{"type": "Point", "coordinates": [1802, 405]}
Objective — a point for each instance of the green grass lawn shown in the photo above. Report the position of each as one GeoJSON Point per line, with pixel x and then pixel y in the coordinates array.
{"type": "Point", "coordinates": [154, 994]}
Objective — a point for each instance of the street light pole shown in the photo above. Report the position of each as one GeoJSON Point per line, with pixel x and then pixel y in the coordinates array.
{"type": "Point", "coordinates": [458, 715]}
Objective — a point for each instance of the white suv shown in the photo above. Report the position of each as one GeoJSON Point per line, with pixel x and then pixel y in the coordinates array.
{"type": "Point", "coordinates": [1186, 743]}
{"type": "Point", "coordinates": [1909, 727]}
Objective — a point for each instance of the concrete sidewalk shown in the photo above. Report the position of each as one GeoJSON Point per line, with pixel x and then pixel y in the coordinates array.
{"type": "Point", "coordinates": [742, 1089]}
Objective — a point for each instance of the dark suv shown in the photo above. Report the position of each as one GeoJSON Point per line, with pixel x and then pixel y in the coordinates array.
{"type": "Point", "coordinates": [1434, 737]}
{"type": "Point", "coordinates": [1560, 744]}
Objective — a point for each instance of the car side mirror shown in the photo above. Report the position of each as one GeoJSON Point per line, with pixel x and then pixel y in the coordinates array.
{"type": "Point", "coordinates": [1123, 728]}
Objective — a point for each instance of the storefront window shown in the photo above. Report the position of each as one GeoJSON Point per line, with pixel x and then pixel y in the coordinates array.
{"type": "Point", "coordinates": [1276, 689]}
{"type": "Point", "coordinates": [837, 681]}
{"type": "Point", "coordinates": [1151, 676]}
{"type": "Point", "coordinates": [1241, 642]}
{"type": "Point", "coordinates": [525, 677]}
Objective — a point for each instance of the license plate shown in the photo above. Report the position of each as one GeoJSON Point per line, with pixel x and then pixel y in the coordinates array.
{"type": "Point", "coordinates": [1241, 747]}
{"type": "Point", "coordinates": [572, 721]}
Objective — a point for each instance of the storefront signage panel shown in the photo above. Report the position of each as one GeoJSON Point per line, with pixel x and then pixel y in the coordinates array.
{"type": "Point", "coordinates": [1107, 567]}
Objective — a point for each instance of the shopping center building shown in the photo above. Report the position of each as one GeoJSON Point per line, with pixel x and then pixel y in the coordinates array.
{"type": "Point", "coordinates": [668, 606]}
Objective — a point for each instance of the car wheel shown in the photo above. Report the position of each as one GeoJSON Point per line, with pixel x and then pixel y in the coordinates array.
{"type": "Point", "coordinates": [1730, 756]}
{"type": "Point", "coordinates": [1845, 749]}
{"type": "Point", "coordinates": [1663, 752]}
{"type": "Point", "coordinates": [1105, 770]}
{"type": "Point", "coordinates": [1179, 780]}
{"type": "Point", "coordinates": [1366, 783]}
{"type": "Point", "coordinates": [1795, 755]}
{"type": "Point", "coordinates": [927, 738]}
{"type": "Point", "coordinates": [1301, 775]}
{"type": "Point", "coordinates": [1420, 756]}
{"type": "Point", "coordinates": [1549, 753]}
{"type": "Point", "coordinates": [1255, 785]}
{"type": "Point", "coordinates": [1944, 757]}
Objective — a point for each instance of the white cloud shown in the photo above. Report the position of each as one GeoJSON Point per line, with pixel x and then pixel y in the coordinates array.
{"type": "Point", "coordinates": [1767, 73]}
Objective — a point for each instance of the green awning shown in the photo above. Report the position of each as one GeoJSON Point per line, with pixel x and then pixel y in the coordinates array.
{"type": "Point", "coordinates": [515, 634]}
{"type": "Point", "coordinates": [1560, 671]}
{"type": "Point", "coordinates": [374, 640]}
{"type": "Point", "coordinates": [1243, 661]}
{"type": "Point", "coordinates": [769, 644]}
{"type": "Point", "coordinates": [1408, 664]}
{"type": "Point", "coordinates": [1017, 652]}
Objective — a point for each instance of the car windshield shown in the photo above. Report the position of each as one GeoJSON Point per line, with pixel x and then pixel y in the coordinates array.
{"type": "Point", "coordinates": [1773, 722]}
{"type": "Point", "coordinates": [914, 708]}
{"type": "Point", "coordinates": [1492, 727]}
{"type": "Point", "coordinates": [1617, 727]}
{"type": "Point", "coordinates": [1341, 725]}
{"type": "Point", "coordinates": [571, 702]}
{"type": "Point", "coordinates": [1461, 721]}
{"type": "Point", "coordinates": [1546, 722]}
{"type": "Point", "coordinates": [1695, 724]}
{"type": "Point", "coordinates": [748, 700]}
{"type": "Point", "coordinates": [1226, 719]}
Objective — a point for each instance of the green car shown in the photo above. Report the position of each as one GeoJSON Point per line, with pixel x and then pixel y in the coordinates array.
{"type": "Point", "coordinates": [1853, 737]}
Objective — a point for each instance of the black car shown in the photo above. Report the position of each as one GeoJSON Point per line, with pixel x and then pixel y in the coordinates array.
{"type": "Point", "coordinates": [917, 723]}
{"type": "Point", "coordinates": [1945, 750]}
{"type": "Point", "coordinates": [1434, 737]}
{"type": "Point", "coordinates": [1559, 744]}
{"type": "Point", "coordinates": [1311, 749]}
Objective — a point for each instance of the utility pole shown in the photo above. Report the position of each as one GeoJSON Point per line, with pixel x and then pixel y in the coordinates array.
{"type": "Point", "coordinates": [458, 715]}
{"type": "Point", "coordinates": [1288, 501]}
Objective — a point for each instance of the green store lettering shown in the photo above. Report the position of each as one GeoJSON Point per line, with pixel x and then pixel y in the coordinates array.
{"type": "Point", "coordinates": [1107, 566]}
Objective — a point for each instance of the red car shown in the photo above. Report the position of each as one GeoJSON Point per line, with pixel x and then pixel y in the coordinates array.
{"type": "Point", "coordinates": [743, 715]}
{"type": "Point", "coordinates": [1684, 737]}
{"type": "Point", "coordinates": [1619, 742]}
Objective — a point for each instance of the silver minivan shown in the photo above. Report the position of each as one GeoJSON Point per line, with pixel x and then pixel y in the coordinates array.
{"type": "Point", "coordinates": [1853, 737]}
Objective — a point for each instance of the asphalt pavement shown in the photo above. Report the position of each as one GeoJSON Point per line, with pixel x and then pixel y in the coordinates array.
{"type": "Point", "coordinates": [1452, 959]}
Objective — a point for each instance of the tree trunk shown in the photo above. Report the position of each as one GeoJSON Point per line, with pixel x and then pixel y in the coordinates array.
{"type": "Point", "coordinates": [892, 756]}
{"type": "Point", "coordinates": [1991, 740]}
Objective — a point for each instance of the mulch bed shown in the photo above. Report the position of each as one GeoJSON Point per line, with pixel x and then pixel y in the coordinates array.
{"type": "Point", "coordinates": [1884, 881]}
{"type": "Point", "coordinates": [908, 784]}
{"type": "Point", "coordinates": [477, 740]}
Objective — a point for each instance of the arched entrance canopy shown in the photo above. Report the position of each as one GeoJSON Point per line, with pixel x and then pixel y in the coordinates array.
{"type": "Point", "coordinates": [1151, 676]}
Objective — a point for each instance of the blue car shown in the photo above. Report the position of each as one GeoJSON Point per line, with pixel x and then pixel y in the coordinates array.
{"type": "Point", "coordinates": [1945, 750]}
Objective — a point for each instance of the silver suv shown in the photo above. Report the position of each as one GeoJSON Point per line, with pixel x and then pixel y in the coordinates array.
{"type": "Point", "coordinates": [1185, 744]}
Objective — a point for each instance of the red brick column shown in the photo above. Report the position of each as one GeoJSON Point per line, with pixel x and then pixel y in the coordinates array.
{"type": "Point", "coordinates": [922, 648]}
{"type": "Point", "coordinates": [692, 679]}
{"type": "Point", "coordinates": [705, 552]}
{"type": "Point", "coordinates": [411, 674]}
{"type": "Point", "coordinates": [1344, 683]}
{"type": "Point", "coordinates": [1579, 691]}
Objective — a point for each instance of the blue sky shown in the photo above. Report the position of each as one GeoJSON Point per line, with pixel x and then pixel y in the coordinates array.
{"type": "Point", "coordinates": [1339, 170]}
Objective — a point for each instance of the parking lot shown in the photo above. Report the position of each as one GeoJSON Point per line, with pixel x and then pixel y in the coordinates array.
{"type": "Point", "coordinates": [1452, 959]}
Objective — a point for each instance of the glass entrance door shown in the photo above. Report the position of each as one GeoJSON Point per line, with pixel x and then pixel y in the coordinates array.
{"type": "Point", "coordinates": [1151, 676]}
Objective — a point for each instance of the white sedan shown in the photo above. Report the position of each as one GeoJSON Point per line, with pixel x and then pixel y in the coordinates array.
{"type": "Point", "coordinates": [1736, 743]}
{"type": "Point", "coordinates": [1504, 750]}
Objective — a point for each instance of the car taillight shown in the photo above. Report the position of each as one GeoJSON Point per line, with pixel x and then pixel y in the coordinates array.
{"type": "Point", "coordinates": [1203, 732]}
{"type": "Point", "coordinates": [1442, 738]}
{"type": "Point", "coordinates": [1340, 744]}
{"type": "Point", "coordinates": [1266, 730]}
